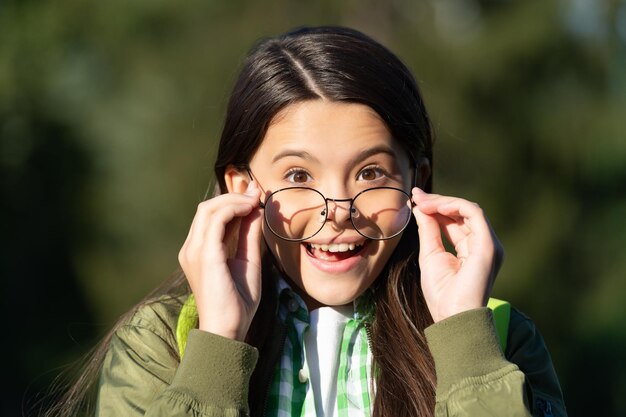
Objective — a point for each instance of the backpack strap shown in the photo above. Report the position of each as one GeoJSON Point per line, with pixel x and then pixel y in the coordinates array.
{"type": "Point", "coordinates": [188, 319]}
{"type": "Point", "coordinates": [501, 315]}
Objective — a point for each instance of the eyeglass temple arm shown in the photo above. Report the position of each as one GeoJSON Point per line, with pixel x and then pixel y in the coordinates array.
{"type": "Point", "coordinates": [247, 168]}
{"type": "Point", "coordinates": [415, 169]}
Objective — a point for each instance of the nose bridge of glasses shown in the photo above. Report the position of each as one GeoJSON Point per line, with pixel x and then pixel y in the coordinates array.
{"type": "Point", "coordinates": [338, 208]}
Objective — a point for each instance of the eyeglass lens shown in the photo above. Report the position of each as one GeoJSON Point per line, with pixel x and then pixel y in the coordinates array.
{"type": "Point", "coordinates": [300, 213]}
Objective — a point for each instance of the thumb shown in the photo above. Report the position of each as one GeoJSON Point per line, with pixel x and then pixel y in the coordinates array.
{"type": "Point", "coordinates": [429, 233]}
{"type": "Point", "coordinates": [249, 245]}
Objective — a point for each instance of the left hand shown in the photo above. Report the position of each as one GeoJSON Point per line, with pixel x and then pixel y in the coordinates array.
{"type": "Point", "coordinates": [453, 283]}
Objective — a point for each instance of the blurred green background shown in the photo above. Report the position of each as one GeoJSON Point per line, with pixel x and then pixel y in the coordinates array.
{"type": "Point", "coordinates": [110, 113]}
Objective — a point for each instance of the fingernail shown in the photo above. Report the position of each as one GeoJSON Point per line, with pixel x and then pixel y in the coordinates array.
{"type": "Point", "coordinates": [417, 190]}
{"type": "Point", "coordinates": [250, 189]}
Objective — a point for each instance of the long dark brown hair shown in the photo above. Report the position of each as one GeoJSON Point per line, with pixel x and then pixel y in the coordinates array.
{"type": "Point", "coordinates": [344, 65]}
{"type": "Point", "coordinates": [341, 65]}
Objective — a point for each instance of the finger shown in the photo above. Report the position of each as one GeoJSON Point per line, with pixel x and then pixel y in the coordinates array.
{"type": "Point", "coordinates": [420, 197]}
{"type": "Point", "coordinates": [472, 222]}
{"type": "Point", "coordinates": [208, 230]}
{"type": "Point", "coordinates": [452, 227]}
{"type": "Point", "coordinates": [454, 232]}
{"type": "Point", "coordinates": [216, 234]}
{"type": "Point", "coordinates": [453, 207]}
{"type": "Point", "coordinates": [432, 203]}
{"type": "Point", "coordinates": [429, 233]}
{"type": "Point", "coordinates": [458, 207]}
{"type": "Point", "coordinates": [249, 245]}
{"type": "Point", "coordinates": [464, 225]}
{"type": "Point", "coordinates": [450, 221]}
{"type": "Point", "coordinates": [466, 217]}
{"type": "Point", "coordinates": [206, 209]}
{"type": "Point", "coordinates": [229, 235]}
{"type": "Point", "coordinates": [473, 241]}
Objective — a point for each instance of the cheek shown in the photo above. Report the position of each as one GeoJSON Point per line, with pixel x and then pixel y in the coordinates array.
{"type": "Point", "coordinates": [380, 252]}
{"type": "Point", "coordinates": [287, 254]}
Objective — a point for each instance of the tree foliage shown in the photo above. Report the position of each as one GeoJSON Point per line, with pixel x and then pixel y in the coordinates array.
{"type": "Point", "coordinates": [110, 114]}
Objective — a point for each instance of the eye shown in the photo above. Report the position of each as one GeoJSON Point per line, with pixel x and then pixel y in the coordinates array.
{"type": "Point", "coordinates": [370, 174]}
{"type": "Point", "coordinates": [298, 176]}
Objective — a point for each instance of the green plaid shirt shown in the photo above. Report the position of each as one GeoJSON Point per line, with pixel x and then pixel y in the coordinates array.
{"type": "Point", "coordinates": [290, 393]}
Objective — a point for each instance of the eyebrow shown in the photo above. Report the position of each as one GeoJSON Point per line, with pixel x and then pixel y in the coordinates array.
{"type": "Point", "coordinates": [358, 158]}
{"type": "Point", "coordinates": [293, 152]}
{"type": "Point", "coordinates": [374, 151]}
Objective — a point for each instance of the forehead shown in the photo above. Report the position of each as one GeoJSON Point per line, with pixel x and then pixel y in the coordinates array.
{"type": "Point", "coordinates": [328, 131]}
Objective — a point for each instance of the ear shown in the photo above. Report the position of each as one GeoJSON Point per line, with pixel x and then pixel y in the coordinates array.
{"type": "Point", "coordinates": [236, 179]}
{"type": "Point", "coordinates": [423, 172]}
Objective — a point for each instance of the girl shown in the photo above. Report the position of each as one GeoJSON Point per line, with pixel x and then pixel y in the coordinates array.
{"type": "Point", "coordinates": [316, 283]}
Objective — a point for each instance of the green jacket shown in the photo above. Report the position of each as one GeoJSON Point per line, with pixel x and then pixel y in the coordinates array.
{"type": "Point", "coordinates": [142, 375]}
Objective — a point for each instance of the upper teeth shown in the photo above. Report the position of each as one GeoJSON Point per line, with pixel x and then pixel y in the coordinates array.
{"type": "Point", "coordinates": [334, 247]}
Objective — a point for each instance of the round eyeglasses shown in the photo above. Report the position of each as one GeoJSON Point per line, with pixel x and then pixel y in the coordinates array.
{"type": "Point", "coordinates": [299, 213]}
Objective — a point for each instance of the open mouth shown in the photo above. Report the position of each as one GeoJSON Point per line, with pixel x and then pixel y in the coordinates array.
{"type": "Point", "coordinates": [334, 252]}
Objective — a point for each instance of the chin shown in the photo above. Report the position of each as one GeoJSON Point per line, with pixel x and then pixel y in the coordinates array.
{"type": "Point", "coordinates": [331, 289]}
{"type": "Point", "coordinates": [334, 297]}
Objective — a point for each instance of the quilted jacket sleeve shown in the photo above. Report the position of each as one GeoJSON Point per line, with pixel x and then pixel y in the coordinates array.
{"type": "Point", "coordinates": [141, 375]}
{"type": "Point", "coordinates": [474, 378]}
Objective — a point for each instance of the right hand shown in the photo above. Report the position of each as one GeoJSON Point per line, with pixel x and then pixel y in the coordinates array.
{"type": "Point", "coordinates": [221, 259]}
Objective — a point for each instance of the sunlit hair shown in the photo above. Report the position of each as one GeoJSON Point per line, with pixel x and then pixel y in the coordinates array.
{"type": "Point", "coordinates": [341, 65]}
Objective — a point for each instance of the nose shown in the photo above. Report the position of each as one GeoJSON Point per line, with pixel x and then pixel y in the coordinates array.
{"type": "Point", "coordinates": [338, 211]}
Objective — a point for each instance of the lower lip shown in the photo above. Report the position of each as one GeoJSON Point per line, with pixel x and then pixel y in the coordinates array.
{"type": "Point", "coordinates": [334, 266]}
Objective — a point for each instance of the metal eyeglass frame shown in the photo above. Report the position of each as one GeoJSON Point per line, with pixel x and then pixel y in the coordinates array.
{"type": "Point", "coordinates": [324, 212]}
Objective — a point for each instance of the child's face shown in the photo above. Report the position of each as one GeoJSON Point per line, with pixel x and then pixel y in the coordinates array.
{"type": "Point", "coordinates": [338, 149]}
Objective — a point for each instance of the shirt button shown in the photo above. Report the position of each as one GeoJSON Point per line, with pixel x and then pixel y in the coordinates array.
{"type": "Point", "coordinates": [303, 375]}
{"type": "Point", "coordinates": [292, 305]}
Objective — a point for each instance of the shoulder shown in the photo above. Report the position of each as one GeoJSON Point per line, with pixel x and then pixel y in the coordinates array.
{"type": "Point", "coordinates": [523, 333]}
{"type": "Point", "coordinates": [519, 318]}
{"type": "Point", "coordinates": [158, 316]}
{"type": "Point", "coordinates": [141, 359]}
{"type": "Point", "coordinates": [527, 349]}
